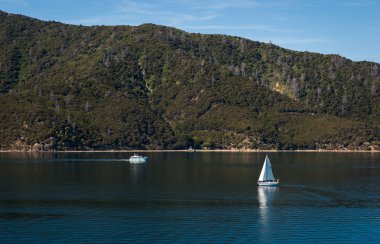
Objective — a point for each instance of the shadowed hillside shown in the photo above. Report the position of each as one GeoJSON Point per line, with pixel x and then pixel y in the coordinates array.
{"type": "Point", "coordinates": [68, 87]}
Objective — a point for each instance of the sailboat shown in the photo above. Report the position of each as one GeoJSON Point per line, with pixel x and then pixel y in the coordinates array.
{"type": "Point", "coordinates": [266, 176]}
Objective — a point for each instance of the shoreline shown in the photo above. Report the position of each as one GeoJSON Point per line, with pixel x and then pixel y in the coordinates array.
{"type": "Point", "coordinates": [196, 150]}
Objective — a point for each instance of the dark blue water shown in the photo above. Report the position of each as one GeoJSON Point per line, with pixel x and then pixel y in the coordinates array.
{"type": "Point", "coordinates": [189, 197]}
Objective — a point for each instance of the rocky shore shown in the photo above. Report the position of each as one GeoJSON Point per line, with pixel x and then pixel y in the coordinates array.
{"type": "Point", "coordinates": [49, 145]}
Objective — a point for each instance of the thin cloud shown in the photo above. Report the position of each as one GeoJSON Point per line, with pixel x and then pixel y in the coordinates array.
{"type": "Point", "coordinates": [232, 4]}
{"type": "Point", "coordinates": [352, 3]}
{"type": "Point", "coordinates": [88, 21]}
{"type": "Point", "coordinates": [150, 11]}
{"type": "Point", "coordinates": [15, 2]}
{"type": "Point", "coordinates": [133, 7]}
{"type": "Point", "coordinates": [227, 4]}
{"type": "Point", "coordinates": [234, 27]}
{"type": "Point", "coordinates": [178, 19]}
{"type": "Point", "coordinates": [284, 41]}
{"type": "Point", "coordinates": [228, 27]}
{"type": "Point", "coordinates": [187, 14]}
{"type": "Point", "coordinates": [358, 3]}
{"type": "Point", "coordinates": [136, 13]}
{"type": "Point", "coordinates": [102, 20]}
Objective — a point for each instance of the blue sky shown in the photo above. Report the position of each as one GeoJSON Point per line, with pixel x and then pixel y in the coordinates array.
{"type": "Point", "coordinates": [350, 28]}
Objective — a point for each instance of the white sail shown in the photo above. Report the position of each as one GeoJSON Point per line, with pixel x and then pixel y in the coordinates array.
{"type": "Point", "coordinates": [266, 172]}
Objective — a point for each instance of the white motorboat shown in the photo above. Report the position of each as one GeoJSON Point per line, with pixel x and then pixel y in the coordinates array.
{"type": "Point", "coordinates": [137, 159]}
{"type": "Point", "coordinates": [266, 176]}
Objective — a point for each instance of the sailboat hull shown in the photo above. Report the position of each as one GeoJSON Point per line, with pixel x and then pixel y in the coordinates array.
{"type": "Point", "coordinates": [268, 183]}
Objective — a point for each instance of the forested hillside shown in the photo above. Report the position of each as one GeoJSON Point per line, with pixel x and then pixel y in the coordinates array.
{"type": "Point", "coordinates": [65, 87]}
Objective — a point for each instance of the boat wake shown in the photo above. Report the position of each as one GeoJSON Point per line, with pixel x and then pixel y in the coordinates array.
{"type": "Point", "coordinates": [90, 160]}
{"type": "Point", "coordinates": [329, 198]}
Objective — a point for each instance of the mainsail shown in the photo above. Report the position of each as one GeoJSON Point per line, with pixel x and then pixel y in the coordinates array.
{"type": "Point", "coordinates": [266, 173]}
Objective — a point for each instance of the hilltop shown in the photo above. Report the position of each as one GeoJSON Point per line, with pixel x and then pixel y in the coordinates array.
{"type": "Point", "coordinates": [67, 87]}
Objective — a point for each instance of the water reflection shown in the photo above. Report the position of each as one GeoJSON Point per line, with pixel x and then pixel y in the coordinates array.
{"type": "Point", "coordinates": [137, 172]}
{"type": "Point", "coordinates": [266, 196]}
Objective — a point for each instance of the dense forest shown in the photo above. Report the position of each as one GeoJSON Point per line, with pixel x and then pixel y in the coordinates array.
{"type": "Point", "coordinates": [67, 87]}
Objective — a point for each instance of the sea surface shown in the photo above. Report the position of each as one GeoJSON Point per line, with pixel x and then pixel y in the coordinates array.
{"type": "Point", "coordinates": [189, 197]}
